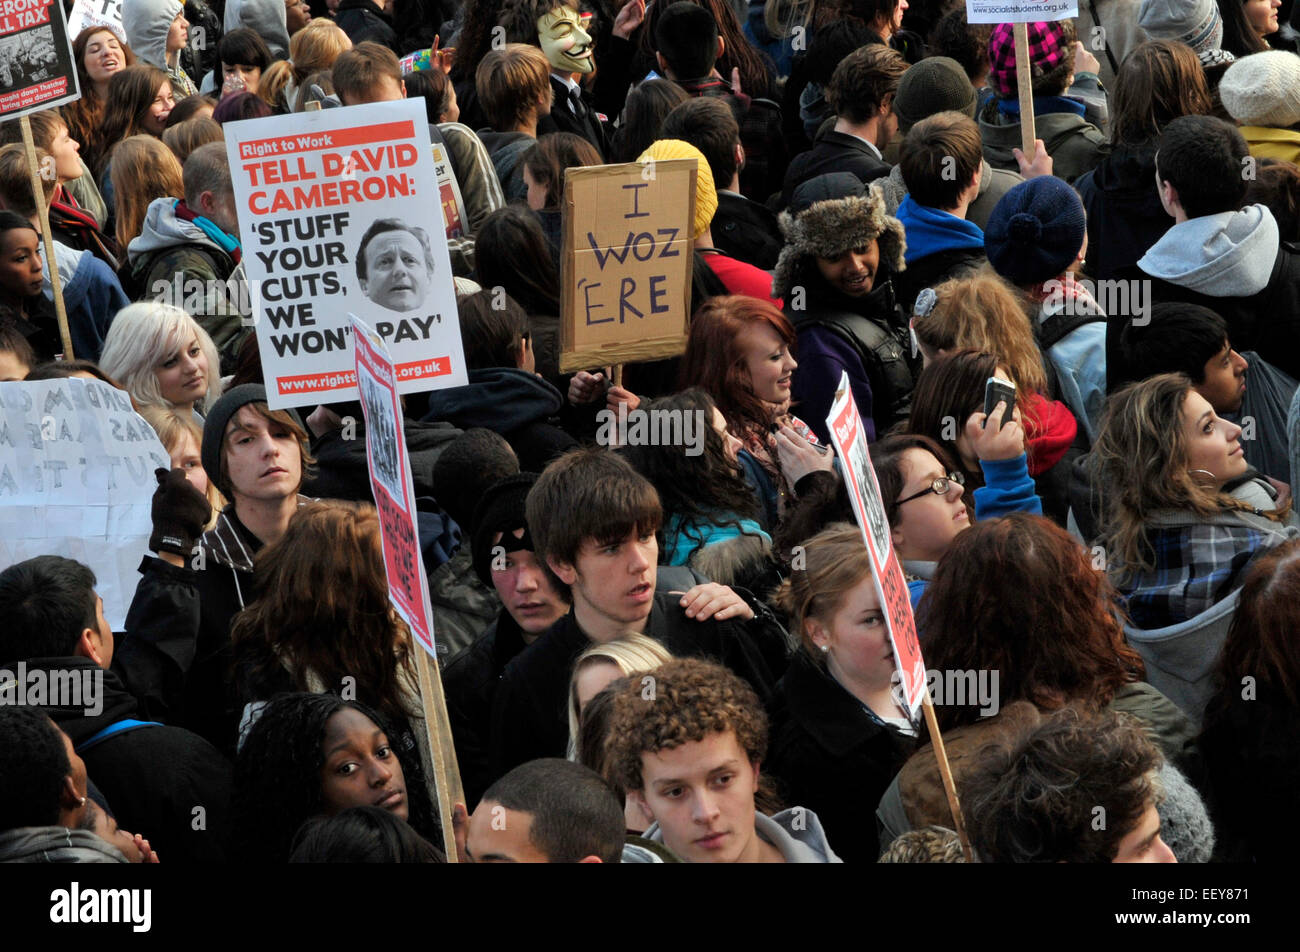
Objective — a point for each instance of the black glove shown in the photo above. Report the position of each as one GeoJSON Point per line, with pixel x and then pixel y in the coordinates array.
{"type": "Point", "coordinates": [179, 513]}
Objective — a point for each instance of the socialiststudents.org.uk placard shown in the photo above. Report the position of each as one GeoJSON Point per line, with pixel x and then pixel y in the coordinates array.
{"type": "Point", "coordinates": [340, 212]}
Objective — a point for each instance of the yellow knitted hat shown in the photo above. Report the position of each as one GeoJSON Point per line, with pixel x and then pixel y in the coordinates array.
{"type": "Point", "coordinates": [706, 196]}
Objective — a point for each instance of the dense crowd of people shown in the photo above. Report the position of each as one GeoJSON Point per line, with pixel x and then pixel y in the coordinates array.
{"type": "Point", "coordinates": [1075, 365]}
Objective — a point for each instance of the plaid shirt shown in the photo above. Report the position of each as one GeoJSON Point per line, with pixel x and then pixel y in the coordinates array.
{"type": "Point", "coordinates": [1196, 566]}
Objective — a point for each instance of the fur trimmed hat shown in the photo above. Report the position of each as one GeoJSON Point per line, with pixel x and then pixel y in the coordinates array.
{"type": "Point", "coordinates": [832, 214]}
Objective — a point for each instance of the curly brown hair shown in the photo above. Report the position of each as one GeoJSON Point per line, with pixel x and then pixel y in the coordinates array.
{"type": "Point", "coordinates": [688, 699]}
{"type": "Point", "coordinates": [1020, 596]}
{"type": "Point", "coordinates": [1034, 800]}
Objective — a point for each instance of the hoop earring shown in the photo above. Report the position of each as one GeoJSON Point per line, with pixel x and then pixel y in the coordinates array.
{"type": "Point", "coordinates": [1206, 472]}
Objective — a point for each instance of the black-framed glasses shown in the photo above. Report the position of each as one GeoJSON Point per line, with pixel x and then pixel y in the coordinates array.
{"type": "Point", "coordinates": [939, 486]}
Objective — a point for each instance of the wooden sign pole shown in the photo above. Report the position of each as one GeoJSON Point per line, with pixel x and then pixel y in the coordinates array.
{"type": "Point", "coordinates": [945, 771]}
{"type": "Point", "coordinates": [446, 771]}
{"type": "Point", "coordinates": [43, 215]}
{"type": "Point", "coordinates": [1025, 87]}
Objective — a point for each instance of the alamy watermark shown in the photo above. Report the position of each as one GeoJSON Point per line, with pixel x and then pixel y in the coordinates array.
{"type": "Point", "coordinates": [958, 688]}
{"type": "Point", "coordinates": [684, 428]}
{"type": "Point", "coordinates": [53, 687]}
{"type": "Point", "coordinates": [1113, 297]}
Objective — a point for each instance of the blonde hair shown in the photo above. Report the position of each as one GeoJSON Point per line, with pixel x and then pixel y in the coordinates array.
{"type": "Point", "coordinates": [171, 425]}
{"type": "Point", "coordinates": [184, 137]}
{"type": "Point", "coordinates": [632, 654]}
{"type": "Point", "coordinates": [143, 170]}
{"type": "Point", "coordinates": [983, 312]}
{"type": "Point", "coordinates": [312, 49]}
{"type": "Point", "coordinates": [835, 560]}
{"type": "Point", "coordinates": [142, 336]}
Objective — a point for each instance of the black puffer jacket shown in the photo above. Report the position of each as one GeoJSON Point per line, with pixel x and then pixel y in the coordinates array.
{"type": "Point", "coordinates": [514, 403]}
{"type": "Point", "coordinates": [342, 471]}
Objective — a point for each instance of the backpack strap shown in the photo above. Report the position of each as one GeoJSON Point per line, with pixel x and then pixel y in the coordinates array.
{"type": "Point", "coordinates": [124, 726]}
{"type": "Point", "coordinates": [1060, 326]}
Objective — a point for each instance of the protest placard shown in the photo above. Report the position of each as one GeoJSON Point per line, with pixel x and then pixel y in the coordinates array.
{"type": "Point", "coordinates": [339, 214]}
{"type": "Point", "coordinates": [1020, 11]}
{"type": "Point", "coordinates": [454, 215]}
{"type": "Point", "coordinates": [625, 288]}
{"type": "Point", "coordinates": [77, 479]}
{"type": "Point", "coordinates": [850, 442]}
{"type": "Point", "coordinates": [408, 587]}
{"type": "Point", "coordinates": [88, 13]}
{"type": "Point", "coordinates": [36, 68]}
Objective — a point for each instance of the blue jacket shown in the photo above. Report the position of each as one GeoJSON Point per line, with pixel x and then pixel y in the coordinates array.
{"type": "Point", "coordinates": [683, 539]}
{"type": "Point", "coordinates": [930, 231]}
{"type": "Point", "coordinates": [1079, 359]}
{"type": "Point", "coordinates": [92, 297]}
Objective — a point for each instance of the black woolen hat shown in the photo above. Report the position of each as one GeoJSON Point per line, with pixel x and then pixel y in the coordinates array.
{"type": "Point", "coordinates": [218, 418]}
{"type": "Point", "coordinates": [500, 509]}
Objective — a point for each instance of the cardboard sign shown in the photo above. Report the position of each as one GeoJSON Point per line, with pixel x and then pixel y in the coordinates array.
{"type": "Point", "coordinates": [36, 67]}
{"type": "Point", "coordinates": [338, 214]}
{"type": "Point", "coordinates": [88, 13]}
{"type": "Point", "coordinates": [391, 483]}
{"type": "Point", "coordinates": [76, 479]}
{"type": "Point", "coordinates": [1020, 11]}
{"type": "Point", "coordinates": [625, 289]}
{"type": "Point", "coordinates": [850, 442]}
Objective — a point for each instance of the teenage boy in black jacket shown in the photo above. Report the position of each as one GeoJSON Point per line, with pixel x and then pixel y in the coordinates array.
{"type": "Point", "coordinates": [593, 520]}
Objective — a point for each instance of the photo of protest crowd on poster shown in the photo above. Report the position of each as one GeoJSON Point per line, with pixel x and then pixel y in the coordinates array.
{"type": "Point", "coordinates": [36, 70]}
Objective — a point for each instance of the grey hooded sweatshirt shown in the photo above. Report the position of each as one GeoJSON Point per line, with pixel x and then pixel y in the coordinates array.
{"type": "Point", "coordinates": [264, 16]}
{"type": "Point", "coordinates": [796, 832]}
{"type": "Point", "coordinates": [1230, 254]}
{"type": "Point", "coordinates": [56, 844]}
{"type": "Point", "coordinates": [146, 24]}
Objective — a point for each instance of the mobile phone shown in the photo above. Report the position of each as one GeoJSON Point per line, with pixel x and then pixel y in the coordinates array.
{"type": "Point", "coordinates": [995, 391]}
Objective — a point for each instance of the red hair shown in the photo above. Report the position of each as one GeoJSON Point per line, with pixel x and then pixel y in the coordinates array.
{"type": "Point", "coordinates": [715, 362]}
{"type": "Point", "coordinates": [1020, 596]}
